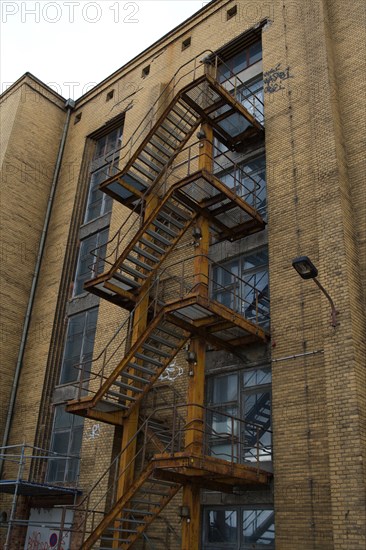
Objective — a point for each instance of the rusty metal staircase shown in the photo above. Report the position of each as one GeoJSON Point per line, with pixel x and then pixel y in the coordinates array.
{"type": "Point", "coordinates": [133, 513]}
{"type": "Point", "coordinates": [195, 94]}
{"type": "Point", "coordinates": [111, 522]}
{"type": "Point", "coordinates": [167, 187]}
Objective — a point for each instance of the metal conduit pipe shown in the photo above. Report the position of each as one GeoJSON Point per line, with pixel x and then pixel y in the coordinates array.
{"type": "Point", "coordinates": [69, 106]}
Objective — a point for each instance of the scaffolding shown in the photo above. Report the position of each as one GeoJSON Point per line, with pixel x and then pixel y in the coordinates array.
{"type": "Point", "coordinates": [19, 461]}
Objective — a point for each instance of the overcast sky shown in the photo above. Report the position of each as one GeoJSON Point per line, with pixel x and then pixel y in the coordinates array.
{"type": "Point", "coordinates": [72, 45]}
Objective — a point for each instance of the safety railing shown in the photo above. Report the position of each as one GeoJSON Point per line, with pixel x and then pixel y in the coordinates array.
{"type": "Point", "coordinates": [17, 463]}
{"type": "Point", "coordinates": [238, 181]}
{"type": "Point", "coordinates": [174, 283]}
{"type": "Point", "coordinates": [204, 62]}
{"type": "Point", "coordinates": [240, 442]}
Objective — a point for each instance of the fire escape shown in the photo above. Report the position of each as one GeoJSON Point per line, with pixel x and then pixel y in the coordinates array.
{"type": "Point", "coordinates": [171, 184]}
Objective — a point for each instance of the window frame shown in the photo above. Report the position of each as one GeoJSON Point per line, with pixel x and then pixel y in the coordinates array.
{"type": "Point", "coordinates": [96, 265]}
{"type": "Point", "coordinates": [88, 330]}
{"type": "Point", "coordinates": [240, 543]}
{"type": "Point", "coordinates": [71, 461]}
{"type": "Point", "coordinates": [238, 403]}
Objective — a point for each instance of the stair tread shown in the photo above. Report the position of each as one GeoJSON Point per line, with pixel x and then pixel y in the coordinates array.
{"type": "Point", "coordinates": [148, 162]}
{"type": "Point", "coordinates": [127, 386]}
{"type": "Point", "coordinates": [150, 176]}
{"type": "Point", "coordinates": [171, 220]}
{"type": "Point", "coordinates": [148, 359]}
{"type": "Point", "coordinates": [140, 368]}
{"type": "Point", "coordinates": [133, 377]}
{"type": "Point", "coordinates": [152, 245]}
{"type": "Point", "coordinates": [147, 255]}
{"type": "Point", "coordinates": [132, 271]}
{"type": "Point", "coordinates": [161, 147]}
{"type": "Point", "coordinates": [165, 228]}
{"type": "Point", "coordinates": [139, 263]}
{"type": "Point", "coordinates": [156, 350]}
{"type": "Point", "coordinates": [126, 280]}
{"type": "Point", "coordinates": [163, 341]}
{"type": "Point", "coordinates": [158, 237]}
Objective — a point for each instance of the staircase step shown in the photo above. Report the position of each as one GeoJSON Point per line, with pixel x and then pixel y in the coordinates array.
{"type": "Point", "coordinates": [178, 122]}
{"type": "Point", "coordinates": [143, 501]}
{"type": "Point", "coordinates": [158, 237]}
{"type": "Point", "coordinates": [167, 152]}
{"type": "Point", "coordinates": [157, 351]}
{"type": "Point", "coordinates": [126, 280]}
{"type": "Point", "coordinates": [149, 163]}
{"type": "Point", "coordinates": [145, 172]}
{"type": "Point", "coordinates": [127, 386]}
{"type": "Point", "coordinates": [154, 492]}
{"type": "Point", "coordinates": [165, 228]}
{"type": "Point", "coordinates": [177, 210]}
{"type": "Point", "coordinates": [132, 271]}
{"type": "Point", "coordinates": [139, 263]}
{"type": "Point", "coordinates": [133, 377]}
{"type": "Point", "coordinates": [148, 359]}
{"type": "Point", "coordinates": [114, 404]}
{"type": "Point", "coordinates": [150, 151]}
{"type": "Point", "coordinates": [171, 220]}
{"type": "Point", "coordinates": [170, 332]}
{"type": "Point", "coordinates": [152, 245]}
{"type": "Point", "coordinates": [172, 130]}
{"type": "Point", "coordinates": [137, 512]}
{"type": "Point", "coordinates": [190, 119]}
{"type": "Point", "coordinates": [140, 368]}
{"type": "Point", "coordinates": [133, 176]}
{"type": "Point", "coordinates": [121, 530]}
{"type": "Point", "coordinates": [121, 395]}
{"type": "Point", "coordinates": [143, 252]}
{"type": "Point", "coordinates": [163, 341]}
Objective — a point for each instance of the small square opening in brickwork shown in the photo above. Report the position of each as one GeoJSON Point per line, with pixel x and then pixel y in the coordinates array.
{"type": "Point", "coordinates": [231, 12]}
{"type": "Point", "coordinates": [110, 95]}
{"type": "Point", "coordinates": [145, 71]}
{"type": "Point", "coordinates": [186, 43]}
{"type": "Point", "coordinates": [78, 118]}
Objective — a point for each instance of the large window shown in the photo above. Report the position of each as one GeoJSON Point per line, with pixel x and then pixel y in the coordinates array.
{"type": "Point", "coordinates": [66, 444]}
{"type": "Point", "coordinates": [245, 395]}
{"type": "Point", "coordinates": [79, 345]}
{"type": "Point", "coordinates": [247, 177]}
{"type": "Point", "coordinates": [242, 285]}
{"type": "Point", "coordinates": [240, 61]}
{"type": "Point", "coordinates": [238, 528]}
{"type": "Point", "coordinates": [90, 261]}
{"type": "Point", "coordinates": [99, 203]}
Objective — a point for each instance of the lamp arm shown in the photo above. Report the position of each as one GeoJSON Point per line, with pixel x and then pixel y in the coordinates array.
{"type": "Point", "coordinates": [334, 311]}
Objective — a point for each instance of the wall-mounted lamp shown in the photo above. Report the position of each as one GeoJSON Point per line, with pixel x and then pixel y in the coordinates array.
{"type": "Point", "coordinates": [197, 235]}
{"type": "Point", "coordinates": [184, 513]}
{"type": "Point", "coordinates": [191, 357]}
{"type": "Point", "coordinates": [307, 270]}
{"type": "Point", "coordinates": [201, 134]}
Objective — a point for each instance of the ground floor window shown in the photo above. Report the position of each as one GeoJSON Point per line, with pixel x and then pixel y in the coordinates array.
{"type": "Point", "coordinates": [239, 415]}
{"type": "Point", "coordinates": [238, 528]}
{"type": "Point", "coordinates": [66, 442]}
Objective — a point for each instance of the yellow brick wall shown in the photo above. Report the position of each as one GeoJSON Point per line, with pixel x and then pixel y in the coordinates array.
{"type": "Point", "coordinates": [314, 143]}
{"type": "Point", "coordinates": [31, 130]}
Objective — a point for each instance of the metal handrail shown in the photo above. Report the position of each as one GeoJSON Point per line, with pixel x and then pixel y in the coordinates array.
{"type": "Point", "coordinates": [169, 91]}
{"type": "Point", "coordinates": [188, 167]}
{"type": "Point", "coordinates": [187, 282]}
{"type": "Point", "coordinates": [178, 436]}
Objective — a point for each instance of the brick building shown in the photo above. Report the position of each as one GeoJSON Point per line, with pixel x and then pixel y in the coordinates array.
{"type": "Point", "coordinates": [169, 381]}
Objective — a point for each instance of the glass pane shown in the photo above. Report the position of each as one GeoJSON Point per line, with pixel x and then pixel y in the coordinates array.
{"type": "Point", "coordinates": [62, 418]}
{"type": "Point", "coordinates": [225, 388]}
{"type": "Point", "coordinates": [256, 377]}
{"type": "Point", "coordinates": [255, 53]}
{"type": "Point", "coordinates": [258, 529]}
{"type": "Point", "coordinates": [222, 526]}
{"type": "Point", "coordinates": [86, 260]}
{"type": "Point", "coordinates": [257, 437]}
